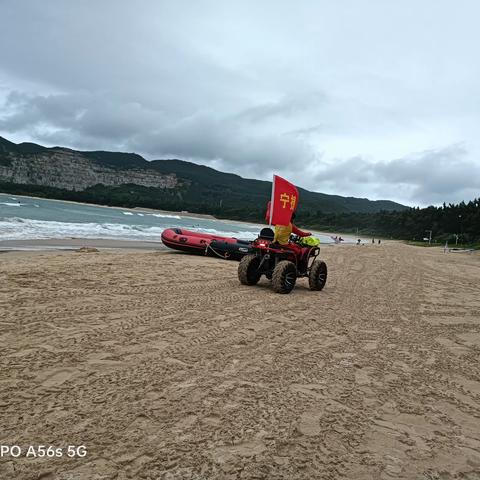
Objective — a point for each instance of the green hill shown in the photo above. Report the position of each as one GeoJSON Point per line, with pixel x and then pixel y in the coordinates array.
{"type": "Point", "coordinates": [127, 179]}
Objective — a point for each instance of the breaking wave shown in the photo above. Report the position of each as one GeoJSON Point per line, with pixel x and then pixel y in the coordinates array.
{"type": "Point", "coordinates": [27, 229]}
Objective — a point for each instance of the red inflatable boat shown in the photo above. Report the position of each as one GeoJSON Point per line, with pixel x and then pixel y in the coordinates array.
{"type": "Point", "coordinates": [205, 243]}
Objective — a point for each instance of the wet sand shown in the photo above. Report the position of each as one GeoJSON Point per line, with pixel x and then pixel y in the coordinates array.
{"type": "Point", "coordinates": [76, 243]}
{"type": "Point", "coordinates": [165, 367]}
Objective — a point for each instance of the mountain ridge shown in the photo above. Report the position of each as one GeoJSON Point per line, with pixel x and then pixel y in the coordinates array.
{"type": "Point", "coordinates": [128, 179]}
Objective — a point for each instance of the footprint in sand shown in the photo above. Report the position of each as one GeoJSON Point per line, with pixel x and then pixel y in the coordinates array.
{"type": "Point", "coordinates": [95, 469]}
{"type": "Point", "coordinates": [105, 365]}
{"type": "Point", "coordinates": [315, 390]}
{"type": "Point", "coordinates": [212, 420]}
{"type": "Point", "coordinates": [228, 454]}
{"type": "Point", "coordinates": [309, 423]}
{"type": "Point", "coordinates": [145, 425]}
{"type": "Point", "coordinates": [186, 423]}
{"type": "Point", "coordinates": [454, 347]}
{"type": "Point", "coordinates": [56, 377]}
{"type": "Point", "coordinates": [362, 376]}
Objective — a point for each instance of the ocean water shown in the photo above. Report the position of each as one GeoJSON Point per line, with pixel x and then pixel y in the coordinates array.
{"type": "Point", "coordinates": [27, 218]}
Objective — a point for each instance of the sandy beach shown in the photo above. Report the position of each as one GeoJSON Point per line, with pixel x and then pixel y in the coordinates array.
{"type": "Point", "coordinates": [164, 367]}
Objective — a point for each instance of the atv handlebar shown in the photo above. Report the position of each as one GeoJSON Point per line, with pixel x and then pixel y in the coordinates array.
{"type": "Point", "coordinates": [294, 238]}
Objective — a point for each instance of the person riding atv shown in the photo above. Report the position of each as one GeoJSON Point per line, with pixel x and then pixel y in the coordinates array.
{"type": "Point", "coordinates": [283, 233]}
{"type": "Point", "coordinates": [282, 264]}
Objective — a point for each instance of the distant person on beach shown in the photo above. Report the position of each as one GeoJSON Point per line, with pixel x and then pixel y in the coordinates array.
{"type": "Point", "coordinates": [373, 241]}
{"type": "Point", "coordinates": [379, 241]}
{"type": "Point", "coordinates": [358, 242]}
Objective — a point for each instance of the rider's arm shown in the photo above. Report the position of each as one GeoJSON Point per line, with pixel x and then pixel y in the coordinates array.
{"type": "Point", "coordinates": [299, 232]}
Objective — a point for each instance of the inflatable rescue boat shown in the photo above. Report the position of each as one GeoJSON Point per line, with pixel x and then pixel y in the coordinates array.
{"type": "Point", "coordinates": [205, 244]}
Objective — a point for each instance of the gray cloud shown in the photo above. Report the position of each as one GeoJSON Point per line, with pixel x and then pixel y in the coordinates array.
{"type": "Point", "coordinates": [334, 96]}
{"type": "Point", "coordinates": [86, 119]}
{"type": "Point", "coordinates": [432, 175]}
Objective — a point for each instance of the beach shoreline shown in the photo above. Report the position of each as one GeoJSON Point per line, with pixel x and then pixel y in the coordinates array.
{"type": "Point", "coordinates": [76, 243]}
{"type": "Point", "coordinates": [184, 214]}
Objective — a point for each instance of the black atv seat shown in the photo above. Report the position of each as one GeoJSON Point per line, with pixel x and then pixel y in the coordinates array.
{"type": "Point", "coordinates": [266, 234]}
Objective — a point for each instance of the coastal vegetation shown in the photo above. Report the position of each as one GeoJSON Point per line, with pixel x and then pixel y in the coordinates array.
{"type": "Point", "coordinates": [456, 223]}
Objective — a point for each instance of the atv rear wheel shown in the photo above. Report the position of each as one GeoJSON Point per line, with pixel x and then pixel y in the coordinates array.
{"type": "Point", "coordinates": [318, 275]}
{"type": "Point", "coordinates": [248, 272]}
{"type": "Point", "coordinates": [284, 277]}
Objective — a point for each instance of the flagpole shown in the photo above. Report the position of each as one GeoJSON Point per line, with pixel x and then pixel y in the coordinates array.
{"type": "Point", "coordinates": [271, 202]}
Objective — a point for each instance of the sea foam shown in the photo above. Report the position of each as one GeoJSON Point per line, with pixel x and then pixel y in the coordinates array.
{"type": "Point", "coordinates": [26, 229]}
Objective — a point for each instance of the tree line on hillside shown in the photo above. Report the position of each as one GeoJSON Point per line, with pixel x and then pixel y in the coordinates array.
{"type": "Point", "coordinates": [445, 222]}
{"type": "Point", "coordinates": [453, 222]}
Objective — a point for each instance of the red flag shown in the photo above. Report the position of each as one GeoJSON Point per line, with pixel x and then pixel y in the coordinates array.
{"type": "Point", "coordinates": [284, 202]}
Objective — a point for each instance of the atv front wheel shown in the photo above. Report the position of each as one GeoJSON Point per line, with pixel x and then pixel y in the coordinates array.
{"type": "Point", "coordinates": [248, 272]}
{"type": "Point", "coordinates": [284, 277]}
{"type": "Point", "coordinates": [318, 275]}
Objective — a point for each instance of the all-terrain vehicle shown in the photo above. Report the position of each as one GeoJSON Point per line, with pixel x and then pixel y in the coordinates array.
{"type": "Point", "coordinates": [281, 264]}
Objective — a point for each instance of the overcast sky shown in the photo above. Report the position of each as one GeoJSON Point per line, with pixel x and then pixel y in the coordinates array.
{"type": "Point", "coordinates": [376, 99]}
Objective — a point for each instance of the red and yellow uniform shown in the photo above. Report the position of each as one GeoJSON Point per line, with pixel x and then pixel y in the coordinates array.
{"type": "Point", "coordinates": [283, 232]}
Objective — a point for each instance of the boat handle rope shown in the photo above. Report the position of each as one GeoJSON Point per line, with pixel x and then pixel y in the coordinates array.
{"type": "Point", "coordinates": [225, 257]}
